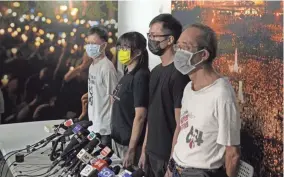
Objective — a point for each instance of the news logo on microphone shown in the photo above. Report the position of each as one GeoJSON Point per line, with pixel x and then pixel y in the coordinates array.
{"type": "Point", "coordinates": [77, 129]}
{"type": "Point", "coordinates": [87, 171]}
{"type": "Point", "coordinates": [106, 152]}
{"type": "Point", "coordinates": [84, 156]}
{"type": "Point", "coordinates": [106, 172]}
{"type": "Point", "coordinates": [124, 173]}
{"type": "Point", "coordinates": [68, 123]}
{"type": "Point", "coordinates": [100, 164]}
{"type": "Point", "coordinates": [92, 136]}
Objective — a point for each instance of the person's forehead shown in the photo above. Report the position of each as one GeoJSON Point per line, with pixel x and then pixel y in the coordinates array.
{"type": "Point", "coordinates": [94, 38]}
{"type": "Point", "coordinates": [189, 36]}
{"type": "Point", "coordinates": [125, 43]}
{"type": "Point", "coordinates": [156, 27]}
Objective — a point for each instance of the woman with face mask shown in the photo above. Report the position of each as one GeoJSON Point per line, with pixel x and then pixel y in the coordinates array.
{"type": "Point", "coordinates": [130, 98]}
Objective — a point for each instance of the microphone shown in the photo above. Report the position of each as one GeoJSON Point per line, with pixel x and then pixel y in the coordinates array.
{"type": "Point", "coordinates": [106, 152]}
{"type": "Point", "coordinates": [84, 124]}
{"type": "Point", "coordinates": [87, 171]}
{"type": "Point", "coordinates": [80, 129]}
{"type": "Point", "coordinates": [70, 122]}
{"type": "Point", "coordinates": [51, 137]}
{"type": "Point", "coordinates": [95, 167]}
{"type": "Point", "coordinates": [84, 156]}
{"type": "Point", "coordinates": [93, 135]}
{"type": "Point", "coordinates": [138, 173]}
{"type": "Point", "coordinates": [94, 141]}
{"type": "Point", "coordinates": [115, 169]}
{"type": "Point", "coordinates": [106, 172]}
{"type": "Point", "coordinates": [73, 149]}
{"type": "Point", "coordinates": [124, 173]}
{"type": "Point", "coordinates": [73, 145]}
{"type": "Point", "coordinates": [100, 164]}
{"type": "Point", "coordinates": [61, 128]}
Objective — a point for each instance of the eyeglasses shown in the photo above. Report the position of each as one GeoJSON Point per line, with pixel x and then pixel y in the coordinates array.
{"type": "Point", "coordinates": [151, 36]}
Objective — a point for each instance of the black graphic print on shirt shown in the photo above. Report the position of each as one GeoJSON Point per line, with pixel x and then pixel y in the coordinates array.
{"type": "Point", "coordinates": [91, 84]}
{"type": "Point", "coordinates": [194, 137]}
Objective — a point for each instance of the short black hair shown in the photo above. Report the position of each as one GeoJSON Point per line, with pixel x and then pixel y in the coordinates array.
{"type": "Point", "coordinates": [100, 31]}
{"type": "Point", "coordinates": [207, 40]}
{"type": "Point", "coordinates": [170, 23]}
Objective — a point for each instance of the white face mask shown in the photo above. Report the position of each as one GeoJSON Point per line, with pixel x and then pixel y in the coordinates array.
{"type": "Point", "coordinates": [93, 50]}
{"type": "Point", "coordinates": [182, 61]}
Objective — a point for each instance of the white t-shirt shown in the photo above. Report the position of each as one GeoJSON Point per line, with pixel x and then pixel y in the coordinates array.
{"type": "Point", "coordinates": [210, 121]}
{"type": "Point", "coordinates": [101, 83]}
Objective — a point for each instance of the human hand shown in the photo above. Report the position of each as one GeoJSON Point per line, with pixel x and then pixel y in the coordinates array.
{"type": "Point", "coordinates": [84, 97]}
{"type": "Point", "coordinates": [84, 107]}
{"type": "Point", "coordinates": [142, 161]}
{"type": "Point", "coordinates": [129, 158]}
{"type": "Point", "coordinates": [86, 61]}
{"type": "Point", "coordinates": [168, 173]}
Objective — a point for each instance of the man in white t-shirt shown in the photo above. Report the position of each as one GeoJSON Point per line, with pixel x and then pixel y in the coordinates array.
{"type": "Point", "coordinates": [210, 120]}
{"type": "Point", "coordinates": [101, 83]}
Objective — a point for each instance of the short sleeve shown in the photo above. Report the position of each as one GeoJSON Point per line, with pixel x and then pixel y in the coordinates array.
{"type": "Point", "coordinates": [180, 81]}
{"type": "Point", "coordinates": [2, 108]}
{"type": "Point", "coordinates": [229, 122]}
{"type": "Point", "coordinates": [141, 89]}
{"type": "Point", "coordinates": [110, 80]}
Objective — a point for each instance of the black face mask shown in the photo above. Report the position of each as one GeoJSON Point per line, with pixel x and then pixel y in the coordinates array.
{"type": "Point", "coordinates": [154, 47]}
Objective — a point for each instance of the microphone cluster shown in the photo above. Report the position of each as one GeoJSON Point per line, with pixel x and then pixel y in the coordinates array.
{"type": "Point", "coordinates": [84, 155]}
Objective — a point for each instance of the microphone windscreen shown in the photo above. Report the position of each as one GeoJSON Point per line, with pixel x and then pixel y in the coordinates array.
{"type": "Point", "coordinates": [85, 124]}
{"type": "Point", "coordinates": [138, 173]}
{"type": "Point", "coordinates": [91, 145]}
{"type": "Point", "coordinates": [72, 143]}
{"type": "Point", "coordinates": [116, 169]}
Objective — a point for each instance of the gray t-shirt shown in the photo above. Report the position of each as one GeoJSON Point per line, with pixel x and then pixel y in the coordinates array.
{"type": "Point", "coordinates": [101, 83]}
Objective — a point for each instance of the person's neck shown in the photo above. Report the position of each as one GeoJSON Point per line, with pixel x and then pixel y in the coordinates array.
{"type": "Point", "coordinates": [102, 56]}
{"type": "Point", "coordinates": [131, 66]}
{"type": "Point", "coordinates": [203, 77]}
{"type": "Point", "coordinates": [167, 57]}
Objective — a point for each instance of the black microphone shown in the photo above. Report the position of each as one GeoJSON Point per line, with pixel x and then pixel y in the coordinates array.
{"type": "Point", "coordinates": [93, 143]}
{"type": "Point", "coordinates": [73, 149]}
{"type": "Point", "coordinates": [74, 144]}
{"type": "Point", "coordinates": [115, 169]}
{"type": "Point", "coordinates": [84, 124]}
{"type": "Point", "coordinates": [138, 173]}
{"type": "Point", "coordinates": [51, 137]}
{"type": "Point", "coordinates": [81, 129]}
{"type": "Point", "coordinates": [84, 155]}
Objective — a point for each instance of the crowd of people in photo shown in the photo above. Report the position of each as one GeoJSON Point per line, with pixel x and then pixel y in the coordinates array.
{"type": "Point", "coordinates": [36, 81]}
{"type": "Point", "coordinates": [261, 113]}
{"type": "Point", "coordinates": [155, 119]}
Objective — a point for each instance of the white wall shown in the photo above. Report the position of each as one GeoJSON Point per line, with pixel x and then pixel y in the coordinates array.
{"type": "Point", "coordinates": [135, 15]}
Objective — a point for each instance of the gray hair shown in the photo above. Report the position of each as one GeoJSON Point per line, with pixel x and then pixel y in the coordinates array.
{"type": "Point", "coordinates": [207, 40]}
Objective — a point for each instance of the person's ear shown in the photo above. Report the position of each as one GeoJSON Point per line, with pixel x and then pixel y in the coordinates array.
{"type": "Point", "coordinates": [171, 40]}
{"type": "Point", "coordinates": [205, 54]}
{"type": "Point", "coordinates": [104, 46]}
